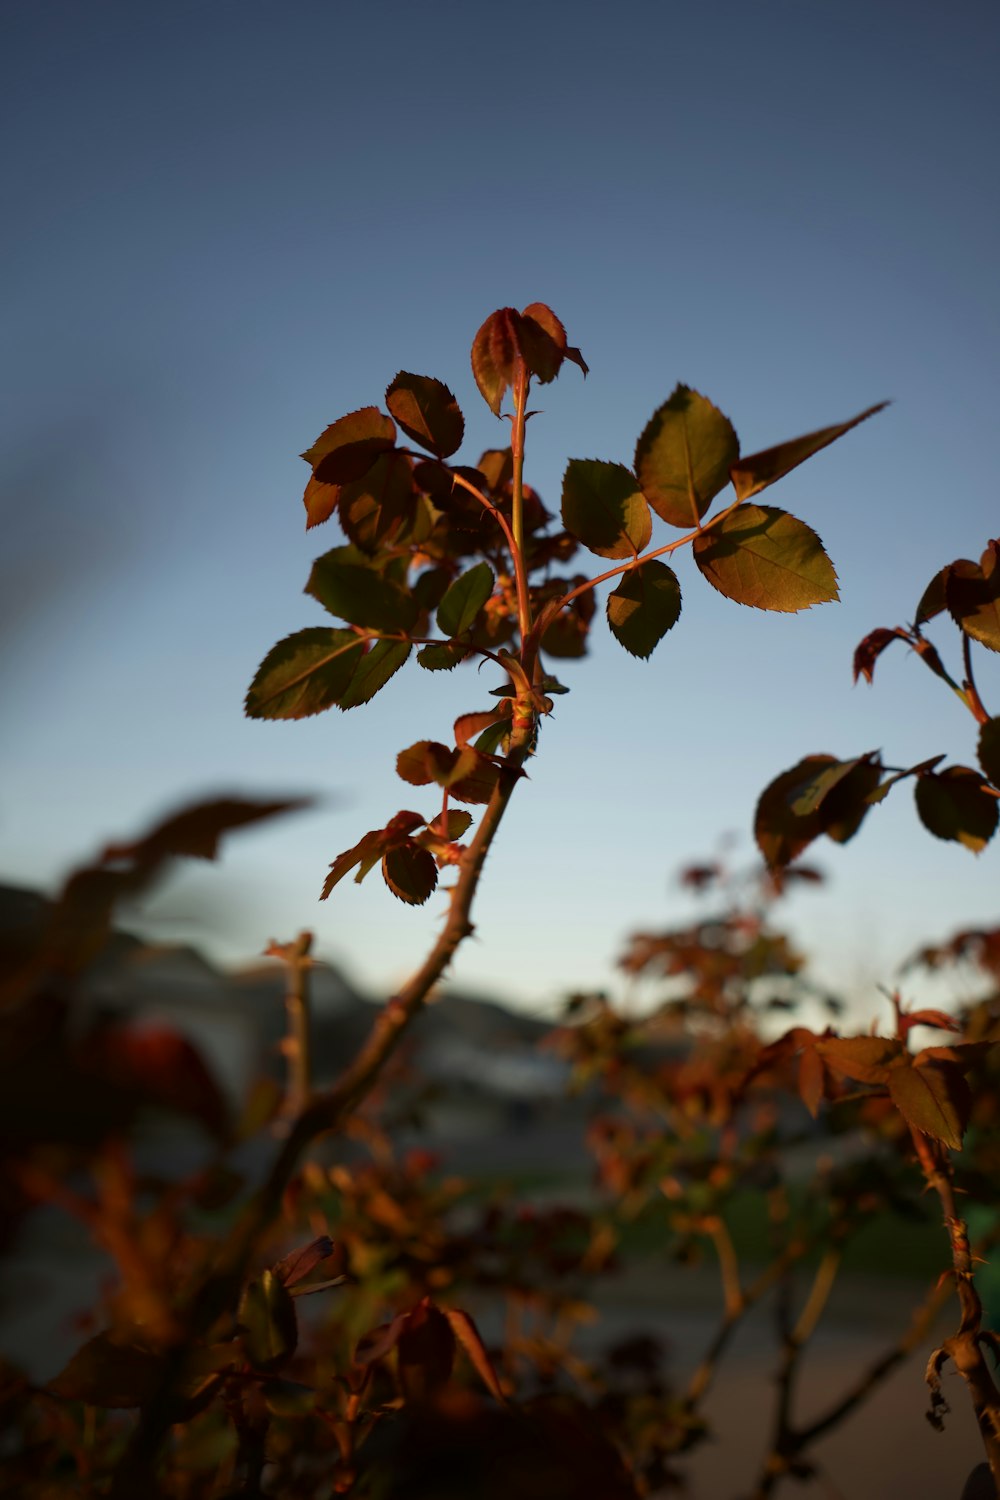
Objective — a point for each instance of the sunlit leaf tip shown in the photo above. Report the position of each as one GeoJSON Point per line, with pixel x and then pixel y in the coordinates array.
{"type": "Point", "coordinates": [751, 473]}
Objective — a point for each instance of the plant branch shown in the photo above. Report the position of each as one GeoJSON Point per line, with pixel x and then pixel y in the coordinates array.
{"type": "Point", "coordinates": [296, 1043]}
{"type": "Point", "coordinates": [920, 1325]}
{"type": "Point", "coordinates": [705, 1373]}
{"type": "Point", "coordinates": [786, 1442]}
{"type": "Point", "coordinates": [965, 1347]}
{"type": "Point", "coordinates": [325, 1113]}
{"type": "Point", "coordinates": [552, 609]}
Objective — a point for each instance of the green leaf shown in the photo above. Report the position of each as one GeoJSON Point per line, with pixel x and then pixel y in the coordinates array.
{"type": "Point", "coordinates": [867, 1059]}
{"type": "Point", "coordinates": [644, 606]}
{"type": "Point", "coordinates": [109, 1374]}
{"type": "Point", "coordinates": [496, 739]}
{"type": "Point", "coordinates": [683, 457]}
{"type": "Point", "coordinates": [442, 656]}
{"type": "Point", "coordinates": [430, 587]}
{"type": "Point", "coordinates": [268, 1322]}
{"type": "Point", "coordinates": [427, 412]}
{"type": "Point", "coordinates": [750, 474]}
{"type": "Point", "coordinates": [373, 672]}
{"type": "Point", "coordinates": [603, 508]}
{"type": "Point", "coordinates": [409, 872]}
{"type": "Point", "coordinates": [344, 584]}
{"type": "Point", "coordinates": [932, 600]}
{"type": "Point", "coordinates": [766, 558]}
{"type": "Point", "coordinates": [953, 805]}
{"type": "Point", "coordinates": [972, 592]}
{"type": "Point", "coordinates": [989, 750]}
{"type": "Point", "coordinates": [348, 448]}
{"type": "Point", "coordinates": [495, 355]}
{"type": "Point", "coordinates": [934, 1099]}
{"type": "Point", "coordinates": [464, 599]}
{"type": "Point", "coordinates": [304, 674]}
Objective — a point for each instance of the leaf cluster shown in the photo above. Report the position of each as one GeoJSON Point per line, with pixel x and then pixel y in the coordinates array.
{"type": "Point", "coordinates": [823, 794]}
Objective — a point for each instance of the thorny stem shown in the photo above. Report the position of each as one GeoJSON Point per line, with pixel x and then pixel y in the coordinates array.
{"type": "Point", "coordinates": [965, 1347]}
{"type": "Point", "coordinates": [326, 1113]}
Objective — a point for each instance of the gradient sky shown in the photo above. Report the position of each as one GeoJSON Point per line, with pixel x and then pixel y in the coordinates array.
{"type": "Point", "coordinates": [229, 223]}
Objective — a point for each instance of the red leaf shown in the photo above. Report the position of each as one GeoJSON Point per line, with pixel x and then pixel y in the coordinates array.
{"type": "Point", "coordinates": [934, 1099]}
{"type": "Point", "coordinates": [811, 1080]}
{"type": "Point", "coordinates": [110, 1374]}
{"type": "Point", "coordinates": [349, 447]}
{"type": "Point", "coordinates": [871, 648]}
{"type": "Point", "coordinates": [936, 1018]}
{"type": "Point", "coordinates": [410, 872]}
{"type": "Point", "coordinates": [864, 1058]}
{"type": "Point", "coordinates": [297, 1265]}
{"type": "Point", "coordinates": [469, 1337]}
{"type": "Point", "coordinates": [426, 1351]}
{"type": "Point", "coordinates": [168, 1071]}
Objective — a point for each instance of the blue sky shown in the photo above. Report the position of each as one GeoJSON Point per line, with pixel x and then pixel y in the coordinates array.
{"type": "Point", "coordinates": [228, 224]}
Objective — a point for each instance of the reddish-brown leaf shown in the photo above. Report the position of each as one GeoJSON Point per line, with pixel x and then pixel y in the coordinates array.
{"type": "Point", "coordinates": [811, 1080]}
{"type": "Point", "coordinates": [425, 1350]}
{"type": "Point", "coordinates": [410, 872]}
{"type": "Point", "coordinates": [349, 446]}
{"type": "Point", "coordinates": [427, 412]}
{"type": "Point", "coordinates": [470, 1339]}
{"type": "Point", "coordinates": [871, 648]}
{"type": "Point", "coordinates": [934, 1099]}
{"type": "Point", "coordinates": [867, 1059]}
{"type": "Point", "coordinates": [110, 1374]}
{"type": "Point", "coordinates": [296, 1266]}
